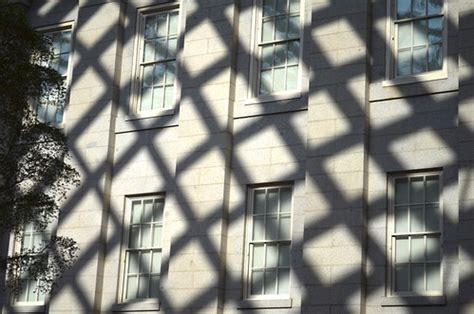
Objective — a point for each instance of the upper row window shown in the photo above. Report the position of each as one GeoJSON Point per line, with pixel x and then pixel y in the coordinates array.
{"type": "Point", "coordinates": [418, 37]}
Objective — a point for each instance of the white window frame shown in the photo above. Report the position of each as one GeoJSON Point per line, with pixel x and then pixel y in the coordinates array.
{"type": "Point", "coordinates": [121, 298]}
{"type": "Point", "coordinates": [253, 95]}
{"type": "Point", "coordinates": [58, 28]}
{"type": "Point", "coordinates": [391, 234]}
{"type": "Point", "coordinates": [16, 245]}
{"type": "Point", "coordinates": [391, 56]}
{"type": "Point", "coordinates": [138, 51]}
{"type": "Point", "coordinates": [248, 243]}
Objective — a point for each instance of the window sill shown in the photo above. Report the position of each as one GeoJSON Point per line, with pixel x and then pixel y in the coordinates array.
{"type": "Point", "coordinates": [25, 308]}
{"type": "Point", "coordinates": [420, 78]}
{"type": "Point", "coordinates": [265, 304]}
{"type": "Point", "coordinates": [414, 300]}
{"type": "Point", "coordinates": [273, 98]}
{"type": "Point", "coordinates": [146, 120]}
{"type": "Point", "coordinates": [137, 306]}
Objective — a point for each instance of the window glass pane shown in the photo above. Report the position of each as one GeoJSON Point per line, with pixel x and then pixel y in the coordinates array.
{"type": "Point", "coordinates": [279, 80]}
{"type": "Point", "coordinates": [172, 45]}
{"type": "Point", "coordinates": [419, 32]}
{"type": "Point", "coordinates": [293, 27]}
{"type": "Point", "coordinates": [156, 236]}
{"type": "Point", "coordinates": [149, 54]}
{"type": "Point", "coordinates": [270, 282]}
{"type": "Point", "coordinates": [284, 256]}
{"type": "Point", "coordinates": [162, 25]}
{"type": "Point", "coordinates": [158, 210]}
{"type": "Point", "coordinates": [419, 7]}
{"type": "Point", "coordinates": [63, 61]}
{"type": "Point", "coordinates": [404, 62]}
{"type": "Point", "coordinates": [433, 248]}
{"type": "Point", "coordinates": [26, 242]}
{"type": "Point", "coordinates": [148, 206]}
{"type": "Point", "coordinates": [280, 27]}
{"type": "Point", "coordinates": [257, 283]}
{"type": "Point", "coordinates": [432, 189]}
{"type": "Point", "coordinates": [404, 35]}
{"type": "Point", "coordinates": [419, 60]}
{"type": "Point", "coordinates": [435, 6]}
{"type": "Point", "coordinates": [285, 227]}
{"type": "Point", "coordinates": [159, 73]}
{"type": "Point", "coordinates": [432, 218]}
{"type": "Point", "coordinates": [272, 255]}
{"type": "Point", "coordinates": [292, 78]}
{"type": "Point", "coordinates": [294, 6]}
{"type": "Point", "coordinates": [32, 290]}
{"type": "Point", "coordinates": [147, 76]}
{"type": "Point", "coordinates": [433, 278]}
{"type": "Point", "coordinates": [267, 30]}
{"type": "Point", "coordinates": [416, 190]}
{"type": "Point", "coordinates": [259, 202]}
{"type": "Point", "coordinates": [435, 30]}
{"type": "Point", "coordinates": [272, 205]}
{"type": "Point", "coordinates": [145, 259]}
{"type": "Point", "coordinates": [268, 7]}
{"type": "Point", "coordinates": [23, 293]}
{"type": "Point", "coordinates": [280, 54]}
{"type": "Point", "coordinates": [132, 284]}
{"type": "Point", "coordinates": [265, 82]}
{"type": "Point", "coordinates": [156, 265]}
{"type": "Point", "coordinates": [133, 262]}
{"type": "Point", "coordinates": [146, 236]}
{"type": "Point", "coordinates": [66, 42]}
{"type": "Point", "coordinates": [157, 97]}
{"type": "Point", "coordinates": [160, 49]}
{"type": "Point", "coordinates": [417, 249]}
{"type": "Point", "coordinates": [173, 23]}
{"type": "Point", "coordinates": [258, 255]}
{"type": "Point", "coordinates": [143, 287]}
{"type": "Point", "coordinates": [154, 286]}
{"type": "Point", "coordinates": [169, 96]}
{"type": "Point", "coordinates": [403, 9]}
{"type": "Point", "coordinates": [401, 219]}
{"type": "Point", "coordinates": [401, 251]}
{"type": "Point", "coordinates": [271, 228]}
{"type": "Point", "coordinates": [134, 234]}
{"type": "Point", "coordinates": [146, 99]}
{"type": "Point", "coordinates": [150, 30]}
{"type": "Point", "coordinates": [283, 281]}
{"type": "Point", "coordinates": [285, 200]}
{"type": "Point", "coordinates": [267, 57]}
{"type": "Point", "coordinates": [258, 228]}
{"type": "Point", "coordinates": [293, 52]}
{"type": "Point", "coordinates": [280, 6]}
{"type": "Point", "coordinates": [56, 41]}
{"type": "Point", "coordinates": [170, 72]}
{"type": "Point", "coordinates": [416, 218]}
{"type": "Point", "coordinates": [435, 57]}
{"type": "Point", "coordinates": [417, 277]}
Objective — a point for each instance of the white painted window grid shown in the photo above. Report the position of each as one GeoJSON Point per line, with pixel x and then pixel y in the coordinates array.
{"type": "Point", "coordinates": [418, 38]}
{"type": "Point", "coordinates": [52, 111]}
{"type": "Point", "coordinates": [415, 234]}
{"type": "Point", "coordinates": [278, 49]}
{"type": "Point", "coordinates": [32, 239]}
{"type": "Point", "coordinates": [268, 246]}
{"type": "Point", "coordinates": [157, 59]}
{"type": "Point", "coordinates": [143, 247]}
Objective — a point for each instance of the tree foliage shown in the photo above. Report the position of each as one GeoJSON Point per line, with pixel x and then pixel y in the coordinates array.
{"type": "Point", "coordinates": [35, 170]}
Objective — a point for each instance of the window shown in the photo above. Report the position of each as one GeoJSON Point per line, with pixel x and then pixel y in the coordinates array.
{"type": "Point", "coordinates": [278, 47]}
{"type": "Point", "coordinates": [416, 235]}
{"type": "Point", "coordinates": [418, 36]}
{"type": "Point", "coordinates": [269, 244]}
{"type": "Point", "coordinates": [33, 240]}
{"type": "Point", "coordinates": [52, 111]}
{"type": "Point", "coordinates": [143, 248]}
{"type": "Point", "coordinates": [158, 43]}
